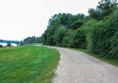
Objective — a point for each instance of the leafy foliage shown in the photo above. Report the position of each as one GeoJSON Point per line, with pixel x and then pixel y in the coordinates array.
{"type": "Point", "coordinates": [105, 37]}
{"type": "Point", "coordinates": [79, 39]}
{"type": "Point", "coordinates": [104, 8]}
{"type": "Point", "coordinates": [32, 39]}
{"type": "Point", "coordinates": [8, 44]}
{"type": "Point", "coordinates": [59, 26]}
{"type": "Point", "coordinates": [1, 46]}
{"type": "Point", "coordinates": [97, 32]}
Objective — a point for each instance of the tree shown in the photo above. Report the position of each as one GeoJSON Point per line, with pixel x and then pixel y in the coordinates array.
{"type": "Point", "coordinates": [79, 39]}
{"type": "Point", "coordinates": [1, 46]}
{"type": "Point", "coordinates": [97, 32]}
{"type": "Point", "coordinates": [8, 44]}
{"type": "Point", "coordinates": [96, 14]}
{"type": "Point", "coordinates": [21, 43]}
{"type": "Point", "coordinates": [107, 6]}
{"type": "Point", "coordinates": [32, 39]}
{"type": "Point", "coordinates": [58, 25]}
{"type": "Point", "coordinates": [104, 8]}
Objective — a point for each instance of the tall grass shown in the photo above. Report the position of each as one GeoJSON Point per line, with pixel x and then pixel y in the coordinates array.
{"type": "Point", "coordinates": [27, 64]}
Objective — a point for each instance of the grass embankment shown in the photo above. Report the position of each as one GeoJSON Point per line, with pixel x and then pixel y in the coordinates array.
{"type": "Point", "coordinates": [27, 64]}
{"type": "Point", "coordinates": [112, 61]}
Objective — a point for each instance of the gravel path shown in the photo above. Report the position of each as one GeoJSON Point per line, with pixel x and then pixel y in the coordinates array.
{"type": "Point", "coordinates": [77, 67]}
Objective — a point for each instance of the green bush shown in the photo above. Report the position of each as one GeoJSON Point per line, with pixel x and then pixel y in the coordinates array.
{"type": "Point", "coordinates": [105, 37]}
{"type": "Point", "coordinates": [8, 44]}
{"type": "Point", "coordinates": [69, 34]}
{"type": "Point", "coordinates": [88, 29]}
{"type": "Point", "coordinates": [79, 39]}
{"type": "Point", "coordinates": [1, 46]}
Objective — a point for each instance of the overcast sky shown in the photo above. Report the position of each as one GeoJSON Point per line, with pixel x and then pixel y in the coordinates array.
{"type": "Point", "coordinates": [22, 18]}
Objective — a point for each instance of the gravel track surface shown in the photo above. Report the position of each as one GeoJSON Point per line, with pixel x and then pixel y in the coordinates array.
{"type": "Point", "coordinates": [78, 67]}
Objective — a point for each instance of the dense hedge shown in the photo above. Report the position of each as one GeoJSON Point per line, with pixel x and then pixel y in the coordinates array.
{"type": "Point", "coordinates": [79, 40]}
{"type": "Point", "coordinates": [105, 37]}
{"type": "Point", "coordinates": [97, 32]}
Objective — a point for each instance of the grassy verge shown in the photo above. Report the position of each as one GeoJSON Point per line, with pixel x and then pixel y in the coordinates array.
{"type": "Point", "coordinates": [27, 64]}
{"type": "Point", "coordinates": [112, 61]}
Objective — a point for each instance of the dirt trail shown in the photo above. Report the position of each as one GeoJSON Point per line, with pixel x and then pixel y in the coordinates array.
{"type": "Point", "coordinates": [77, 67]}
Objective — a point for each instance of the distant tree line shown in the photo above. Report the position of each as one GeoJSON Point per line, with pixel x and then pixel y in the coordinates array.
{"type": "Point", "coordinates": [8, 44]}
{"type": "Point", "coordinates": [10, 41]}
{"type": "Point", "coordinates": [33, 39]}
{"type": "Point", "coordinates": [28, 40]}
{"type": "Point", "coordinates": [97, 32]}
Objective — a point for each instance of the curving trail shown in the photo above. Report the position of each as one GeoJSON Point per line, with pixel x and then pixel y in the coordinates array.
{"type": "Point", "coordinates": [77, 67]}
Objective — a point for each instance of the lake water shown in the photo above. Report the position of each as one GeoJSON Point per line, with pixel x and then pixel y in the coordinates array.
{"type": "Point", "coordinates": [5, 44]}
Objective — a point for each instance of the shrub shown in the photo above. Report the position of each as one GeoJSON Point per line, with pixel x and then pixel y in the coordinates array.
{"type": "Point", "coordinates": [69, 34]}
{"type": "Point", "coordinates": [88, 28]}
{"type": "Point", "coordinates": [8, 44]}
{"type": "Point", "coordinates": [1, 46]}
{"type": "Point", "coordinates": [105, 37]}
{"type": "Point", "coordinates": [79, 39]}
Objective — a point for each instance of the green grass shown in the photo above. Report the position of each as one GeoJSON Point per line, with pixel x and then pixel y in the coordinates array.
{"type": "Point", "coordinates": [112, 61]}
{"type": "Point", "coordinates": [27, 64]}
